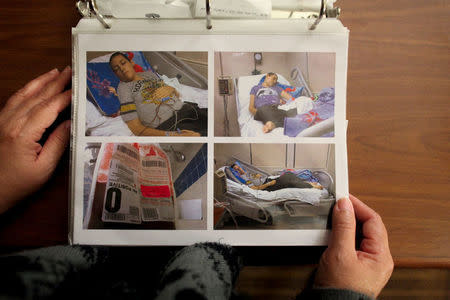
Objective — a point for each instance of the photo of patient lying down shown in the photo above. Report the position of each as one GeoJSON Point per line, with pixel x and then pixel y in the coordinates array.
{"type": "Point", "coordinates": [136, 93]}
{"type": "Point", "coordinates": [272, 94]}
{"type": "Point", "coordinates": [273, 186]}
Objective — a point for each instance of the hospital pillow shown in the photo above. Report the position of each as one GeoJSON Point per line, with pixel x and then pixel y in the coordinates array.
{"type": "Point", "coordinates": [100, 77]}
{"type": "Point", "coordinates": [291, 90]}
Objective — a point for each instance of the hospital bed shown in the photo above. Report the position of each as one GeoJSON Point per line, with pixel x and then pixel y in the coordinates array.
{"type": "Point", "coordinates": [284, 206]}
{"type": "Point", "coordinates": [191, 85]}
{"type": "Point", "coordinates": [252, 128]}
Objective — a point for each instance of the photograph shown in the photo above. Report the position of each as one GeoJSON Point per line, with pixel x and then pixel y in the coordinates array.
{"type": "Point", "coordinates": [143, 93]}
{"type": "Point", "coordinates": [274, 186]}
{"type": "Point", "coordinates": [145, 186]}
{"type": "Point", "coordinates": [274, 94]}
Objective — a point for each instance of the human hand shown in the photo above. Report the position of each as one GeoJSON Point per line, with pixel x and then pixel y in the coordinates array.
{"type": "Point", "coordinates": [24, 164]}
{"type": "Point", "coordinates": [342, 266]}
{"type": "Point", "coordinates": [112, 90]}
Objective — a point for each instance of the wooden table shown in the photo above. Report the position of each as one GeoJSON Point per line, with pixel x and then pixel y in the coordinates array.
{"type": "Point", "coordinates": [398, 136]}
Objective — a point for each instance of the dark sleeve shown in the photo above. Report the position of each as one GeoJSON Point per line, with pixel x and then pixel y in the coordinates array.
{"type": "Point", "coordinates": [332, 294]}
{"type": "Point", "coordinates": [48, 272]}
{"type": "Point", "coordinates": [199, 272]}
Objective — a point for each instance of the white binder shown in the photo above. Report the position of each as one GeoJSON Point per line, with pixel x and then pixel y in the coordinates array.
{"type": "Point", "coordinates": [186, 39]}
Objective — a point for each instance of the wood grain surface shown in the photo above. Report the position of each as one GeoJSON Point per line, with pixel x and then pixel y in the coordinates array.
{"type": "Point", "coordinates": [398, 107]}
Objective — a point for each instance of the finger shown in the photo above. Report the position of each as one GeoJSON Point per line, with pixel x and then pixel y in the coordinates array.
{"type": "Point", "coordinates": [52, 89]}
{"type": "Point", "coordinates": [54, 148]}
{"type": "Point", "coordinates": [44, 114]}
{"type": "Point", "coordinates": [362, 211]}
{"type": "Point", "coordinates": [373, 229]}
{"type": "Point", "coordinates": [57, 86]}
{"type": "Point", "coordinates": [343, 227]}
{"type": "Point", "coordinates": [31, 88]}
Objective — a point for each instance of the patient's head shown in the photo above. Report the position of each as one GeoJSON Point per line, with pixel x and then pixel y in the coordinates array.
{"type": "Point", "coordinates": [271, 79]}
{"type": "Point", "coordinates": [122, 67]}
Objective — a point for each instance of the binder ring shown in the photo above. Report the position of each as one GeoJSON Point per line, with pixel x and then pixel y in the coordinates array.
{"type": "Point", "coordinates": [208, 15]}
{"type": "Point", "coordinates": [323, 8]}
{"type": "Point", "coordinates": [98, 15]}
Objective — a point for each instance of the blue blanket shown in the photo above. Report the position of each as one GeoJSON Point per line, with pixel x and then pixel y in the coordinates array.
{"type": "Point", "coordinates": [100, 78]}
{"type": "Point", "coordinates": [323, 109]}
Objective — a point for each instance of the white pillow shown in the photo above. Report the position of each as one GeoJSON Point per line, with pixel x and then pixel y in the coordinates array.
{"type": "Point", "coordinates": [93, 116]}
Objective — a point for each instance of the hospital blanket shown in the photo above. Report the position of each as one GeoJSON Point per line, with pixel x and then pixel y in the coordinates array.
{"type": "Point", "coordinates": [322, 110]}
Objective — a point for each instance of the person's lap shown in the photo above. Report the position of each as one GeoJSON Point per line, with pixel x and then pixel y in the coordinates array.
{"type": "Point", "coordinates": [271, 113]}
{"type": "Point", "coordinates": [189, 117]}
{"type": "Point", "coordinates": [288, 180]}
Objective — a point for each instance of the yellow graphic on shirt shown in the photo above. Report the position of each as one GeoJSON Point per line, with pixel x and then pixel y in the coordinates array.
{"type": "Point", "coordinates": [156, 92]}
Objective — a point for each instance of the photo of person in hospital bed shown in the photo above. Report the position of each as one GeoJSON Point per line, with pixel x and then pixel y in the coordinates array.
{"type": "Point", "coordinates": [257, 181]}
{"type": "Point", "coordinates": [152, 108]}
{"type": "Point", "coordinates": [264, 101]}
{"type": "Point", "coordinates": [274, 94]}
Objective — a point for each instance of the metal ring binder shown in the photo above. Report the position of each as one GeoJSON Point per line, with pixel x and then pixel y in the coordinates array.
{"type": "Point", "coordinates": [88, 8]}
{"type": "Point", "coordinates": [98, 15]}
{"type": "Point", "coordinates": [321, 14]}
{"type": "Point", "coordinates": [208, 15]}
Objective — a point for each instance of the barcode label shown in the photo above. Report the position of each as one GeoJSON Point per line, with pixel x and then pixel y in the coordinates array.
{"type": "Point", "coordinates": [150, 213]}
{"type": "Point", "coordinates": [134, 211]}
{"type": "Point", "coordinates": [125, 170]}
{"type": "Point", "coordinates": [127, 151]}
{"type": "Point", "coordinates": [154, 163]}
{"type": "Point", "coordinates": [115, 216]}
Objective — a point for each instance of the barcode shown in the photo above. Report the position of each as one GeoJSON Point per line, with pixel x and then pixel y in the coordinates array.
{"type": "Point", "coordinates": [150, 213]}
{"type": "Point", "coordinates": [124, 169]}
{"type": "Point", "coordinates": [154, 163]}
{"type": "Point", "coordinates": [127, 151]}
{"type": "Point", "coordinates": [134, 211]}
{"type": "Point", "coordinates": [115, 216]}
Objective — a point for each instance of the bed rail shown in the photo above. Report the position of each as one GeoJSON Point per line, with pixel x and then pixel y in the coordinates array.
{"type": "Point", "coordinates": [299, 80]}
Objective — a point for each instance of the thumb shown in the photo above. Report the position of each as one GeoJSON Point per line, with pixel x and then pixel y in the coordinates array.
{"type": "Point", "coordinates": [343, 227]}
{"type": "Point", "coordinates": [54, 146]}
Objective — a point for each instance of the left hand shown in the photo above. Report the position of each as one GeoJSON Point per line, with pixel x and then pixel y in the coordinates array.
{"type": "Point", "coordinates": [25, 165]}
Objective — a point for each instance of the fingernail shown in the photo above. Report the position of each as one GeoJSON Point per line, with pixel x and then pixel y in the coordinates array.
{"type": "Point", "coordinates": [344, 204]}
{"type": "Point", "coordinates": [54, 71]}
{"type": "Point", "coordinates": [66, 69]}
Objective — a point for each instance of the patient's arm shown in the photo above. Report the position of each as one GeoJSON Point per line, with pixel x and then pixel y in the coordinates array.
{"type": "Point", "coordinates": [263, 186]}
{"type": "Point", "coordinates": [139, 129]}
{"type": "Point", "coordinates": [251, 106]}
{"type": "Point", "coordinates": [285, 97]}
{"type": "Point", "coordinates": [316, 185]}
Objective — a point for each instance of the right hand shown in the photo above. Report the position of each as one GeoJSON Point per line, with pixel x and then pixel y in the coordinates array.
{"type": "Point", "coordinates": [342, 266]}
{"type": "Point", "coordinates": [112, 90]}
{"type": "Point", "coordinates": [185, 133]}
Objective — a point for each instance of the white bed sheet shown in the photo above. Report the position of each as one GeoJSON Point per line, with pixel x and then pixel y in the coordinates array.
{"type": "Point", "coordinates": [249, 127]}
{"type": "Point", "coordinates": [311, 195]}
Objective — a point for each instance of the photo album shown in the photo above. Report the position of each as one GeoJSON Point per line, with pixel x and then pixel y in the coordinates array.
{"type": "Point", "coordinates": [233, 134]}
